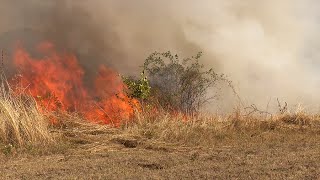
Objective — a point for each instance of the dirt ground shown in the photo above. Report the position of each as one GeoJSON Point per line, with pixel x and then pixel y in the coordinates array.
{"type": "Point", "coordinates": [109, 154]}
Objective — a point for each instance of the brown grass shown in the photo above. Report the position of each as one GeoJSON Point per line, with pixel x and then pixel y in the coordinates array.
{"type": "Point", "coordinates": [166, 146]}
{"type": "Point", "coordinates": [21, 123]}
{"type": "Point", "coordinates": [204, 129]}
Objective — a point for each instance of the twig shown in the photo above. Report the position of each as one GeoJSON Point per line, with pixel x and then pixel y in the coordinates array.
{"type": "Point", "coordinates": [254, 109]}
{"type": "Point", "coordinates": [2, 60]}
{"type": "Point", "coordinates": [284, 108]}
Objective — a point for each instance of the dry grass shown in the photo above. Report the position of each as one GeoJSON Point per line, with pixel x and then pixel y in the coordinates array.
{"type": "Point", "coordinates": [165, 146]}
{"type": "Point", "coordinates": [207, 129]}
{"type": "Point", "coordinates": [20, 121]}
{"type": "Point", "coordinates": [22, 124]}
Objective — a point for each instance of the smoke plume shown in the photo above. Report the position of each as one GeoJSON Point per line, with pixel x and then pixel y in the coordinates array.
{"type": "Point", "coordinates": [269, 49]}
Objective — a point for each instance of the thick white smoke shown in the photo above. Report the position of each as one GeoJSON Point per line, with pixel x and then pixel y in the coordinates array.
{"type": "Point", "coordinates": [268, 48]}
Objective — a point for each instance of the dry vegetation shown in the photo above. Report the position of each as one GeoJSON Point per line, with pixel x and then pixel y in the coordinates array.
{"type": "Point", "coordinates": [161, 146]}
{"type": "Point", "coordinates": [21, 122]}
{"type": "Point", "coordinates": [157, 144]}
{"type": "Point", "coordinates": [205, 129]}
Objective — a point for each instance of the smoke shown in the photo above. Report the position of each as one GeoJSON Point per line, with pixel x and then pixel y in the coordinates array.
{"type": "Point", "coordinates": [269, 49]}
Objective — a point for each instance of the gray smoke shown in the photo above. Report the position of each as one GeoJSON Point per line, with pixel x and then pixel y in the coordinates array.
{"type": "Point", "coordinates": [268, 48]}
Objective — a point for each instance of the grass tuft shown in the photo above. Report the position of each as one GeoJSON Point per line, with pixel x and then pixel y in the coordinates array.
{"type": "Point", "coordinates": [21, 123]}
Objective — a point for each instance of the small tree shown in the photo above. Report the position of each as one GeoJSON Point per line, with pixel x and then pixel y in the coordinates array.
{"type": "Point", "coordinates": [180, 84]}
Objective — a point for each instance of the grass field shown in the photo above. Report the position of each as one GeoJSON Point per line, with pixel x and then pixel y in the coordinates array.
{"type": "Point", "coordinates": [164, 146]}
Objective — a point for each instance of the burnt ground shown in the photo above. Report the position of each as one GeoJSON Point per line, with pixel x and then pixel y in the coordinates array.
{"type": "Point", "coordinates": [110, 154]}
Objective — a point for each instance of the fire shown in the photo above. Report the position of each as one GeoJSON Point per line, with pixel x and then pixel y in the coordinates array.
{"type": "Point", "coordinates": [56, 82]}
{"type": "Point", "coordinates": [114, 104]}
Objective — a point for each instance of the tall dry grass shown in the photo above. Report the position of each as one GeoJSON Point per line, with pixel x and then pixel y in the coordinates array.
{"type": "Point", "coordinates": [21, 123]}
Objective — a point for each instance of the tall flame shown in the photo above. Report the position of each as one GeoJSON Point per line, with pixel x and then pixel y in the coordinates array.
{"type": "Point", "coordinates": [56, 82]}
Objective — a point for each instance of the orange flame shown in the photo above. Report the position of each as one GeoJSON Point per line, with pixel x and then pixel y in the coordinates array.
{"type": "Point", "coordinates": [56, 82]}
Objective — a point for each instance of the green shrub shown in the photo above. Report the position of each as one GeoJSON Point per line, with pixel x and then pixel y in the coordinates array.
{"type": "Point", "coordinates": [139, 89]}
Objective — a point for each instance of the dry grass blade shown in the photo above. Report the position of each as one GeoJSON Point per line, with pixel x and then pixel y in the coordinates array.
{"type": "Point", "coordinates": [20, 121]}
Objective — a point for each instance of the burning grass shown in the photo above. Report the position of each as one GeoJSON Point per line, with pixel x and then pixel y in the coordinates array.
{"type": "Point", "coordinates": [55, 83]}
{"type": "Point", "coordinates": [21, 123]}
